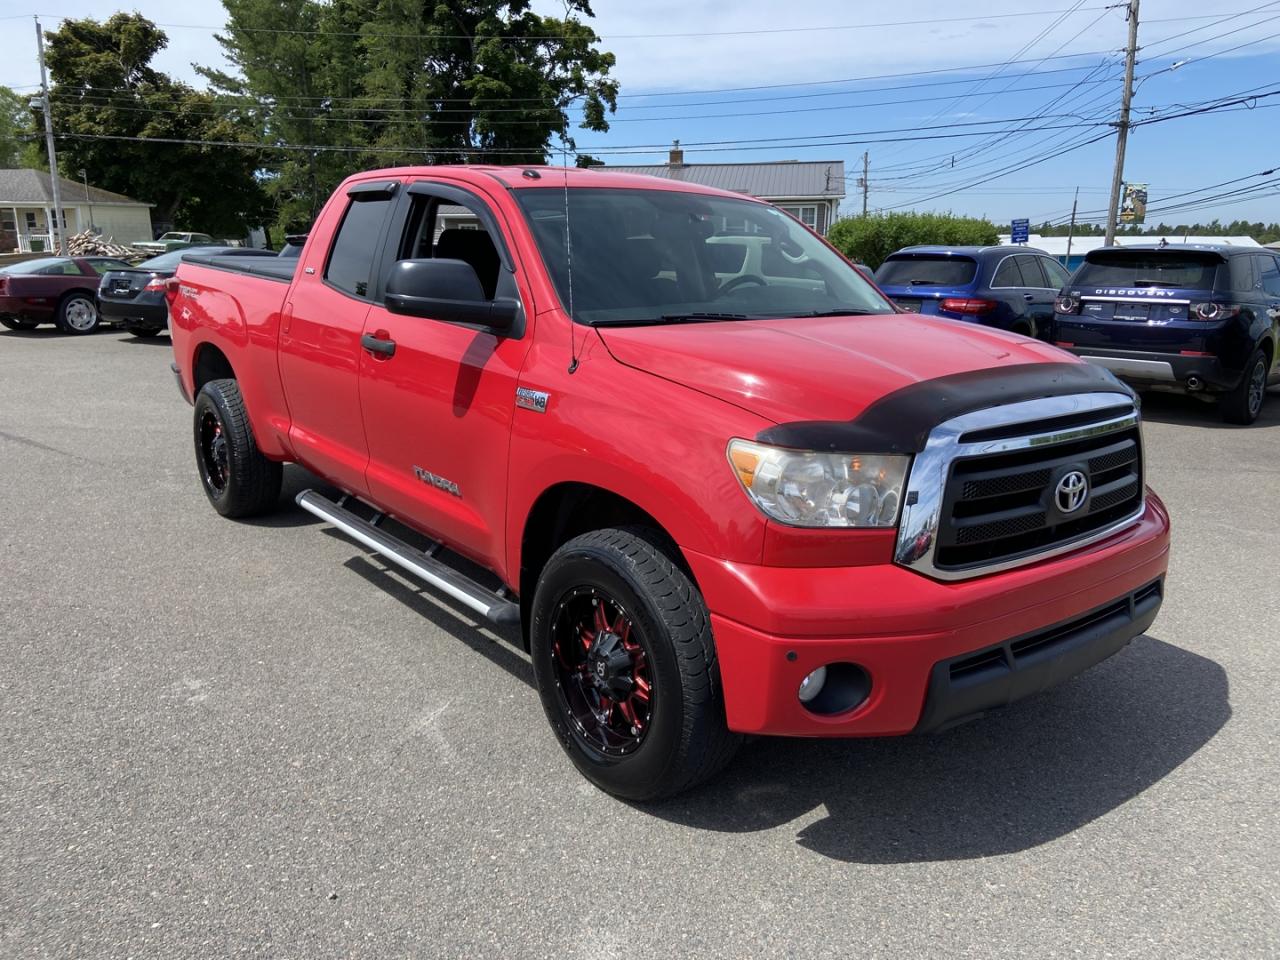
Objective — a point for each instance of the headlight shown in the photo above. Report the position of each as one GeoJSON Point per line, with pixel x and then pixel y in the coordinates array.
{"type": "Point", "coordinates": [807, 489]}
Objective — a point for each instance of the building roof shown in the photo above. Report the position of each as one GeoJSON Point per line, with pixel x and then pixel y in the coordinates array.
{"type": "Point", "coordinates": [36, 187]}
{"type": "Point", "coordinates": [1057, 246]}
{"type": "Point", "coordinates": [779, 180]}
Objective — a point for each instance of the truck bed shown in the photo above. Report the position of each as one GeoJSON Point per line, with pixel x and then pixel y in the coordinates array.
{"type": "Point", "coordinates": [280, 269]}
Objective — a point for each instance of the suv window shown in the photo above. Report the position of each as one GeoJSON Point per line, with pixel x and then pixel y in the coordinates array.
{"type": "Point", "coordinates": [1173, 269]}
{"type": "Point", "coordinates": [1009, 274]}
{"type": "Point", "coordinates": [927, 271]}
{"type": "Point", "coordinates": [1270, 275]}
{"type": "Point", "coordinates": [1059, 276]}
{"type": "Point", "coordinates": [351, 259]}
{"type": "Point", "coordinates": [1032, 275]}
{"type": "Point", "coordinates": [1244, 275]}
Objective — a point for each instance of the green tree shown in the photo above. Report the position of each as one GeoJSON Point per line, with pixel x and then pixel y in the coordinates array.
{"type": "Point", "coordinates": [16, 125]}
{"type": "Point", "coordinates": [872, 238]}
{"type": "Point", "coordinates": [125, 123]}
{"type": "Point", "coordinates": [379, 83]}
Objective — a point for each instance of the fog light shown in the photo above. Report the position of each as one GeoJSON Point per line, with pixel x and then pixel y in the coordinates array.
{"type": "Point", "coordinates": [812, 685]}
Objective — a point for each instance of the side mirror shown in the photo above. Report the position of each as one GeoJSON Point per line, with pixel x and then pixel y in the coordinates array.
{"type": "Point", "coordinates": [447, 290]}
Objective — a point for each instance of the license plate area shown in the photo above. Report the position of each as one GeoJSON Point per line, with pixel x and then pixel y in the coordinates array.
{"type": "Point", "coordinates": [911, 306]}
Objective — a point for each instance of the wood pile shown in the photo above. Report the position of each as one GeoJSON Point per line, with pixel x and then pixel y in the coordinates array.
{"type": "Point", "coordinates": [87, 244]}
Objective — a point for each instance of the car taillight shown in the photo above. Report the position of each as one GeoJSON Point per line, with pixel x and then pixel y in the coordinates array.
{"type": "Point", "coordinates": [171, 287]}
{"type": "Point", "coordinates": [4, 285]}
{"type": "Point", "coordinates": [1215, 311]}
{"type": "Point", "coordinates": [970, 306]}
{"type": "Point", "coordinates": [1066, 305]}
{"type": "Point", "coordinates": [157, 285]}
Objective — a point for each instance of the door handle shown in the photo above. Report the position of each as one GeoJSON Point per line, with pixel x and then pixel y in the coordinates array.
{"type": "Point", "coordinates": [379, 342]}
{"type": "Point", "coordinates": [1028, 297]}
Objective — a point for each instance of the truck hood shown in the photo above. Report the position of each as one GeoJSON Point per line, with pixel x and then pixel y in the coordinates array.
{"type": "Point", "coordinates": [824, 368]}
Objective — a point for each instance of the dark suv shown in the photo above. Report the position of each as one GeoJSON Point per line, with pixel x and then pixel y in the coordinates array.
{"type": "Point", "coordinates": [1012, 288]}
{"type": "Point", "coordinates": [1202, 320]}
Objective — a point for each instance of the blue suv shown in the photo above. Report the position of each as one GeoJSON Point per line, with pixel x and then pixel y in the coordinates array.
{"type": "Point", "coordinates": [1012, 288]}
{"type": "Point", "coordinates": [1201, 320]}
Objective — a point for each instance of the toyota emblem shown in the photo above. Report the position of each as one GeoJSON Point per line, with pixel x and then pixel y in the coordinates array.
{"type": "Point", "coordinates": [1071, 492]}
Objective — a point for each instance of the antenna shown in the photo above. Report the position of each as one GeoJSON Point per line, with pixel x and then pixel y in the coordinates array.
{"type": "Point", "coordinates": [568, 252]}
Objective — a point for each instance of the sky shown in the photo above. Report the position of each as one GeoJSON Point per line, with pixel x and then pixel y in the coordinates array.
{"type": "Point", "coordinates": [939, 96]}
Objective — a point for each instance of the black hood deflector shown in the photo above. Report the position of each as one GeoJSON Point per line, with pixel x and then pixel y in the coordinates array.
{"type": "Point", "coordinates": [900, 422]}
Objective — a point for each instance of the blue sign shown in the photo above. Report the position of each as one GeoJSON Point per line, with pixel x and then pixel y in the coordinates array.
{"type": "Point", "coordinates": [1021, 231]}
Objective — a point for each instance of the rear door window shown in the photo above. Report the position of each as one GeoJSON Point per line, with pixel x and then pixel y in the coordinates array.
{"type": "Point", "coordinates": [1056, 273]}
{"type": "Point", "coordinates": [1032, 275]}
{"type": "Point", "coordinates": [1009, 274]}
{"type": "Point", "coordinates": [1244, 275]}
{"type": "Point", "coordinates": [927, 271]}
{"type": "Point", "coordinates": [1179, 270]}
{"type": "Point", "coordinates": [359, 237]}
{"type": "Point", "coordinates": [1270, 276]}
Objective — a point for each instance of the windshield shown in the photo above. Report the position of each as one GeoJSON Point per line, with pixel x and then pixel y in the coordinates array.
{"type": "Point", "coordinates": [927, 271]}
{"type": "Point", "coordinates": [35, 266]}
{"type": "Point", "coordinates": [174, 236]}
{"type": "Point", "coordinates": [1181, 270]}
{"type": "Point", "coordinates": [664, 256]}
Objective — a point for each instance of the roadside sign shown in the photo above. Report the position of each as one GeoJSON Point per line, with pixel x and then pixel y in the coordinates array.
{"type": "Point", "coordinates": [1021, 231]}
{"type": "Point", "coordinates": [1133, 205]}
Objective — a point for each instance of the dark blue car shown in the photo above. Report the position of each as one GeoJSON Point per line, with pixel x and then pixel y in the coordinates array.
{"type": "Point", "coordinates": [1012, 288]}
{"type": "Point", "coordinates": [1202, 320]}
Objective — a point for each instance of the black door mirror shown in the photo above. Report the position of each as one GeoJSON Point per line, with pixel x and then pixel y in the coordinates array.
{"type": "Point", "coordinates": [448, 290]}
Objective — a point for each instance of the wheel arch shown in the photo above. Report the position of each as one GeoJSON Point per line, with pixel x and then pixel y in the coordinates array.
{"type": "Point", "coordinates": [209, 363]}
{"type": "Point", "coordinates": [568, 509]}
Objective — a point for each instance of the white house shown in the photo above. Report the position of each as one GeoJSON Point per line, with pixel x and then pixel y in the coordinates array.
{"type": "Point", "coordinates": [26, 212]}
{"type": "Point", "coordinates": [809, 190]}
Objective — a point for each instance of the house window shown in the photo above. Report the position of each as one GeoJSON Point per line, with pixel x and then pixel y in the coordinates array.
{"type": "Point", "coordinates": [31, 221]}
{"type": "Point", "coordinates": [806, 214]}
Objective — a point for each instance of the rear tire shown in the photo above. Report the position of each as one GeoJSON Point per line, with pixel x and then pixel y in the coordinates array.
{"type": "Point", "coordinates": [77, 314]}
{"type": "Point", "coordinates": [145, 333]}
{"type": "Point", "coordinates": [1243, 404]}
{"type": "Point", "coordinates": [653, 638]}
{"type": "Point", "coordinates": [15, 324]}
{"type": "Point", "coordinates": [238, 480]}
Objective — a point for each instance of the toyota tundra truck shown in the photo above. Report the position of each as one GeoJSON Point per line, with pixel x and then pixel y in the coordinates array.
{"type": "Point", "coordinates": [723, 486]}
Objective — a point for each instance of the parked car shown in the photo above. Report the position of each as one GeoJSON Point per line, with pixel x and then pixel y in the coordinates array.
{"type": "Point", "coordinates": [1197, 319]}
{"type": "Point", "coordinates": [1012, 288]}
{"type": "Point", "coordinates": [717, 503]}
{"type": "Point", "coordinates": [175, 240]}
{"type": "Point", "coordinates": [134, 297]}
{"type": "Point", "coordinates": [293, 245]}
{"type": "Point", "coordinates": [58, 290]}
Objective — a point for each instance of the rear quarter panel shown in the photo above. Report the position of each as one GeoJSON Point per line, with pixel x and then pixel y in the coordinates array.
{"type": "Point", "coordinates": [240, 315]}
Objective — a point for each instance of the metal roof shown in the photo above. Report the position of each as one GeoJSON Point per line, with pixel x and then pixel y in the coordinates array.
{"type": "Point", "coordinates": [1057, 246]}
{"type": "Point", "coordinates": [776, 180]}
{"type": "Point", "coordinates": [36, 187]}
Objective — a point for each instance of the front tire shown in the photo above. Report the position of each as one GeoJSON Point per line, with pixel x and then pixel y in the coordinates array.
{"type": "Point", "coordinates": [626, 666]}
{"type": "Point", "coordinates": [1243, 404]}
{"type": "Point", "coordinates": [77, 314]}
{"type": "Point", "coordinates": [238, 480]}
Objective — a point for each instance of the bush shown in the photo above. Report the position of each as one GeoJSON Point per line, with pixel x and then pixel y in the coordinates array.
{"type": "Point", "coordinates": [872, 238]}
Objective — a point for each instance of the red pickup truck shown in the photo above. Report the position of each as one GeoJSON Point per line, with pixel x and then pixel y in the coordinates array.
{"type": "Point", "coordinates": [724, 486]}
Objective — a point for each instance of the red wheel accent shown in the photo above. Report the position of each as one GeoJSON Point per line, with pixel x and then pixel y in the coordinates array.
{"type": "Point", "coordinates": [602, 667]}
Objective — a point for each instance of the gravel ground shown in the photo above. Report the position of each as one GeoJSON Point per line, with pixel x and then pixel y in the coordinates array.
{"type": "Point", "coordinates": [224, 739]}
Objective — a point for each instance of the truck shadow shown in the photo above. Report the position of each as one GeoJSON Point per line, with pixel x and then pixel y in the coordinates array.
{"type": "Point", "coordinates": [1014, 780]}
{"type": "Point", "coordinates": [1189, 412]}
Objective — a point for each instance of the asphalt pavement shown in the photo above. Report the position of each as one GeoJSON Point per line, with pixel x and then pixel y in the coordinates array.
{"type": "Point", "coordinates": [224, 739]}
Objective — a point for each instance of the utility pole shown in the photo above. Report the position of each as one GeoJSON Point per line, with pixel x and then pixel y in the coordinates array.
{"type": "Point", "coordinates": [1122, 131]}
{"type": "Point", "coordinates": [55, 228]}
{"type": "Point", "coordinates": [84, 177]}
{"type": "Point", "coordinates": [866, 179]}
{"type": "Point", "coordinates": [1071, 230]}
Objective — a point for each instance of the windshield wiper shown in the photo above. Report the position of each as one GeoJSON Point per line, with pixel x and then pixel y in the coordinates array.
{"type": "Point", "coordinates": [1154, 283]}
{"type": "Point", "coordinates": [926, 283]}
{"type": "Point", "coordinates": [848, 312]}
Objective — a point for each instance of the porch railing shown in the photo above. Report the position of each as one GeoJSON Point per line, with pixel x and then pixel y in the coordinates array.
{"type": "Point", "coordinates": [35, 243]}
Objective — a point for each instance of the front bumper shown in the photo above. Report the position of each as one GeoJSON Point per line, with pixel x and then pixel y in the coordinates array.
{"type": "Point", "coordinates": [1163, 369]}
{"type": "Point", "coordinates": [775, 625]}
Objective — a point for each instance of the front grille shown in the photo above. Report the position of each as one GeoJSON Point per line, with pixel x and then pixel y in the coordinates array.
{"type": "Point", "coordinates": [1002, 506]}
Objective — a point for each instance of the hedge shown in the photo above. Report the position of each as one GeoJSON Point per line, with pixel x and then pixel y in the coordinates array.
{"type": "Point", "coordinates": [872, 238]}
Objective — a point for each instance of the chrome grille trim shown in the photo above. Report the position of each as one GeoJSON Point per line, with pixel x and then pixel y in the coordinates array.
{"type": "Point", "coordinates": [926, 484]}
